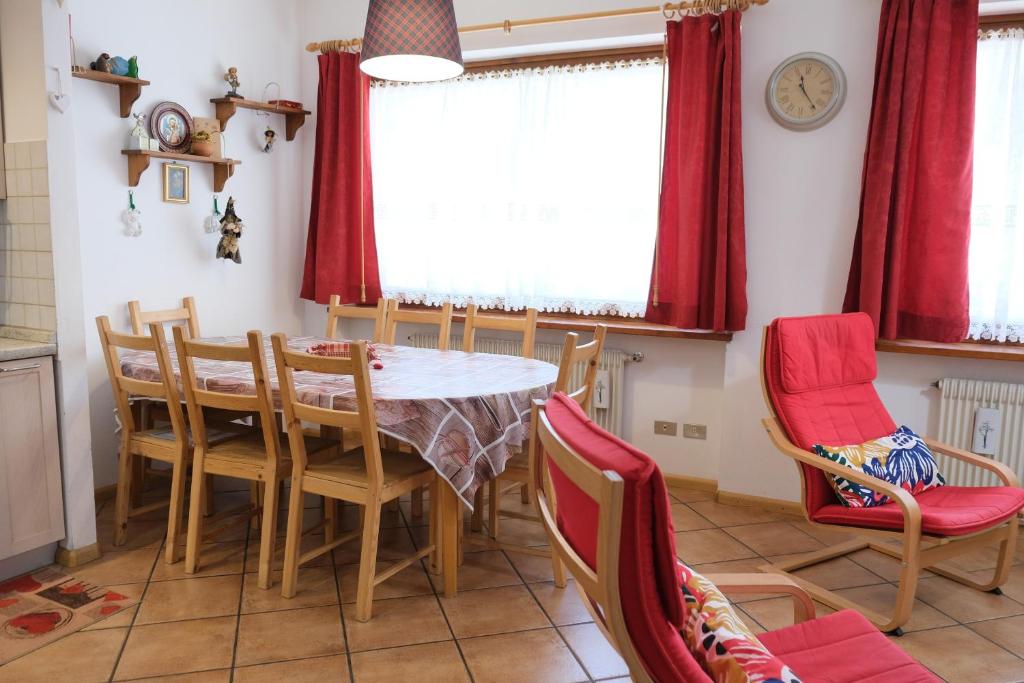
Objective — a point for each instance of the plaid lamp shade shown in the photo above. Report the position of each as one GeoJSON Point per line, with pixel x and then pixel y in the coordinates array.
{"type": "Point", "coordinates": [411, 40]}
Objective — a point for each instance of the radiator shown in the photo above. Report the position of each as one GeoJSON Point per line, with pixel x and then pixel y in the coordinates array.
{"type": "Point", "coordinates": [612, 360]}
{"type": "Point", "coordinates": [960, 399]}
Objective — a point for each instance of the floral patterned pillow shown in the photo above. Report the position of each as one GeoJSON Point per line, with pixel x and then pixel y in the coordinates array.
{"type": "Point", "coordinates": [902, 458]}
{"type": "Point", "coordinates": [720, 641]}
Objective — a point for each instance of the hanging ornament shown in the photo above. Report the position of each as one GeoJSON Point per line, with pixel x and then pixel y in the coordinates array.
{"type": "Point", "coordinates": [211, 224]}
{"type": "Point", "coordinates": [132, 218]}
{"type": "Point", "coordinates": [230, 230]}
{"type": "Point", "coordinates": [267, 136]}
{"type": "Point", "coordinates": [268, 139]}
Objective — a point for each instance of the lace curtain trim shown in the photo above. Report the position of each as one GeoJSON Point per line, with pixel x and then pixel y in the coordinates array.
{"type": "Point", "coordinates": [555, 68]}
{"type": "Point", "coordinates": [542, 304]}
{"type": "Point", "coordinates": [1011, 332]}
{"type": "Point", "coordinates": [1016, 33]}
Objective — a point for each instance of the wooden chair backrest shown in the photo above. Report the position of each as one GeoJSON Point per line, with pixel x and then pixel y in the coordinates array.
{"type": "Point", "coordinates": [197, 397]}
{"type": "Point", "coordinates": [442, 318]}
{"type": "Point", "coordinates": [187, 314]}
{"type": "Point", "coordinates": [599, 586]}
{"type": "Point", "coordinates": [337, 310]}
{"type": "Point", "coordinates": [363, 419]}
{"type": "Point", "coordinates": [572, 353]}
{"type": "Point", "coordinates": [123, 387]}
{"type": "Point", "coordinates": [474, 321]}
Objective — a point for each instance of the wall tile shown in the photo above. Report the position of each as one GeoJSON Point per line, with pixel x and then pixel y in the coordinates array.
{"type": "Point", "coordinates": [40, 182]}
{"type": "Point", "coordinates": [28, 263]}
{"type": "Point", "coordinates": [44, 241]}
{"type": "Point", "coordinates": [47, 296]}
{"type": "Point", "coordinates": [32, 319]}
{"type": "Point", "coordinates": [23, 155]}
{"type": "Point", "coordinates": [44, 265]}
{"type": "Point", "coordinates": [11, 178]}
{"type": "Point", "coordinates": [16, 291]}
{"type": "Point", "coordinates": [38, 154]}
{"type": "Point", "coordinates": [32, 291]}
{"type": "Point", "coordinates": [16, 314]}
{"type": "Point", "coordinates": [41, 209]}
{"type": "Point", "coordinates": [48, 318]}
{"type": "Point", "coordinates": [9, 155]}
{"type": "Point", "coordinates": [24, 178]}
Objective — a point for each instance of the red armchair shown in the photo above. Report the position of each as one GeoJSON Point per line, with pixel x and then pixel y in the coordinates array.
{"type": "Point", "coordinates": [817, 375]}
{"type": "Point", "coordinates": [604, 506]}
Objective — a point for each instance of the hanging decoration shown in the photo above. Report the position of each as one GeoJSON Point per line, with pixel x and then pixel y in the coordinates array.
{"type": "Point", "coordinates": [132, 218]}
{"type": "Point", "coordinates": [268, 136]}
{"type": "Point", "coordinates": [212, 222]}
{"type": "Point", "coordinates": [230, 230]}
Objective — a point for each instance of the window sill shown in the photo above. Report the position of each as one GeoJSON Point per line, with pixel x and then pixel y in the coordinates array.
{"type": "Point", "coordinates": [630, 326]}
{"type": "Point", "coordinates": [977, 350]}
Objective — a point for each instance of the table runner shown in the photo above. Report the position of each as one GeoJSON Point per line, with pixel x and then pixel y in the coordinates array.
{"type": "Point", "coordinates": [465, 413]}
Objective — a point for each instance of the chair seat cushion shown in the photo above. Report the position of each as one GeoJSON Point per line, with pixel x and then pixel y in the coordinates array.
{"type": "Point", "coordinates": [945, 511]}
{"type": "Point", "coordinates": [350, 468]}
{"type": "Point", "coordinates": [844, 648]}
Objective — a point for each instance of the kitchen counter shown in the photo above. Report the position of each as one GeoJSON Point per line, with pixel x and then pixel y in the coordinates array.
{"type": "Point", "coordinates": [16, 349]}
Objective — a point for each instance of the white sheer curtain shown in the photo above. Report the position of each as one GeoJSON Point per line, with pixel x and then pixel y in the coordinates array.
{"type": "Point", "coordinates": [526, 188]}
{"type": "Point", "coordinates": [997, 217]}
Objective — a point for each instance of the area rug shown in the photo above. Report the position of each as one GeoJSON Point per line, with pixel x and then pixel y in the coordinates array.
{"type": "Point", "coordinates": [45, 605]}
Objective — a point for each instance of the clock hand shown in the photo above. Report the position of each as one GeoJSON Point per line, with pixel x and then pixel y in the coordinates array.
{"type": "Point", "coordinates": [804, 91]}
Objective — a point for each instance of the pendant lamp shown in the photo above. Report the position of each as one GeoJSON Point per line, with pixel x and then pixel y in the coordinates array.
{"type": "Point", "coordinates": [411, 40]}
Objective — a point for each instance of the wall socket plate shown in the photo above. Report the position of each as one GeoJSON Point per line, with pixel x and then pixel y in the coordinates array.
{"type": "Point", "coordinates": [695, 431]}
{"type": "Point", "coordinates": [665, 428]}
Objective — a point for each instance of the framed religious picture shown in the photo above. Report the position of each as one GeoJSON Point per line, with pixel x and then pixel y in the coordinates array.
{"type": "Point", "coordinates": [176, 183]}
{"type": "Point", "coordinates": [172, 126]}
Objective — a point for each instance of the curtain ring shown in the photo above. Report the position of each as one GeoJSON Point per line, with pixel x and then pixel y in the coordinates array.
{"type": "Point", "coordinates": [669, 11]}
{"type": "Point", "coordinates": [507, 27]}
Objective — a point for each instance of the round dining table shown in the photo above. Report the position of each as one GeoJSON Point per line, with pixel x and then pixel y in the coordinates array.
{"type": "Point", "coordinates": [466, 414]}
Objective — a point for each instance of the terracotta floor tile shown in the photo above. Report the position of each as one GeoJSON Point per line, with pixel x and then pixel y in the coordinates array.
{"type": "Point", "coordinates": [964, 603]}
{"type": "Point", "coordinates": [1014, 586]}
{"type": "Point", "coordinates": [126, 566]}
{"type": "Point", "coordinates": [957, 653]}
{"type": "Point", "coordinates": [291, 634]}
{"type": "Point", "coordinates": [562, 605]}
{"type": "Point", "coordinates": [215, 596]}
{"type": "Point", "coordinates": [427, 663]}
{"type": "Point", "coordinates": [685, 519]}
{"type": "Point", "coordinates": [398, 622]}
{"type": "Point", "coordinates": [522, 532]}
{"type": "Point", "coordinates": [734, 515]}
{"type": "Point", "coordinates": [684, 495]}
{"type": "Point", "coordinates": [750, 565]}
{"type": "Point", "coordinates": [83, 657]}
{"type": "Point", "coordinates": [826, 534]}
{"type": "Point", "coordinates": [1007, 632]}
{"type": "Point", "coordinates": [331, 668]}
{"type": "Point", "coordinates": [840, 572]}
{"type": "Point", "coordinates": [493, 610]}
{"type": "Point", "coordinates": [309, 542]}
{"type": "Point", "coordinates": [749, 620]}
{"type": "Point", "coordinates": [710, 545]}
{"type": "Point", "coordinates": [316, 586]}
{"type": "Point", "coordinates": [142, 533]}
{"type": "Point", "coordinates": [409, 582]}
{"type": "Point", "coordinates": [532, 568]}
{"type": "Point", "coordinates": [177, 647]}
{"type": "Point", "coordinates": [774, 538]}
{"type": "Point", "coordinates": [393, 544]}
{"type": "Point", "coordinates": [776, 613]}
{"type": "Point", "coordinates": [217, 676]}
{"type": "Point", "coordinates": [218, 559]}
{"type": "Point", "coordinates": [488, 569]}
{"type": "Point", "coordinates": [885, 566]}
{"type": "Point", "coordinates": [599, 658]}
{"type": "Point", "coordinates": [539, 656]}
{"type": "Point", "coordinates": [881, 597]}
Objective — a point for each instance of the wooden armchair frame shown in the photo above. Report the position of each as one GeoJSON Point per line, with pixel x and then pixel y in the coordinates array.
{"type": "Point", "coordinates": [476, 321]}
{"type": "Point", "coordinates": [918, 550]}
{"type": "Point", "coordinates": [187, 314]}
{"type": "Point", "coordinates": [442, 318]}
{"type": "Point", "coordinates": [337, 310]}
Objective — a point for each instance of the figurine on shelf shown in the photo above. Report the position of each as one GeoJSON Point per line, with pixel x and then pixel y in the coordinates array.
{"type": "Point", "coordinates": [232, 79]}
{"type": "Point", "coordinates": [102, 63]}
{"type": "Point", "coordinates": [133, 67]}
{"type": "Point", "coordinates": [230, 230]}
{"type": "Point", "coordinates": [119, 66]}
{"type": "Point", "coordinates": [138, 138]}
{"type": "Point", "coordinates": [268, 139]}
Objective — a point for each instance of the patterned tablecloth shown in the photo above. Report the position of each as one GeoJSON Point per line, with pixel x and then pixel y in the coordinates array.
{"type": "Point", "coordinates": [465, 413]}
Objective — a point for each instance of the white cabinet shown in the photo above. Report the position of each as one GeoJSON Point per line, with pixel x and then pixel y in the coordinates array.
{"type": "Point", "coordinates": [31, 508]}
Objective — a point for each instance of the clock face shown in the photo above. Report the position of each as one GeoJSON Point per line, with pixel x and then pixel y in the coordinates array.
{"type": "Point", "coordinates": [806, 91]}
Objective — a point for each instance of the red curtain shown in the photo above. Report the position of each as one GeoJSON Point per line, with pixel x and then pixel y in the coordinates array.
{"type": "Point", "coordinates": [341, 251]}
{"type": "Point", "coordinates": [700, 270]}
{"type": "Point", "coordinates": [909, 267]}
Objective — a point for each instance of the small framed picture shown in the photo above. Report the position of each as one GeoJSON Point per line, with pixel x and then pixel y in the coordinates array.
{"type": "Point", "coordinates": [176, 183]}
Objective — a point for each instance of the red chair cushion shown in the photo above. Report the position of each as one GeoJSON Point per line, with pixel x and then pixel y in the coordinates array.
{"type": "Point", "coordinates": [818, 373]}
{"type": "Point", "coordinates": [648, 580]}
{"type": "Point", "coordinates": [945, 511]}
{"type": "Point", "coordinates": [844, 648]}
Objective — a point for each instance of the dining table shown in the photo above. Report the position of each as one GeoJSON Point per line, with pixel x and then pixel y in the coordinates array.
{"type": "Point", "coordinates": [466, 414]}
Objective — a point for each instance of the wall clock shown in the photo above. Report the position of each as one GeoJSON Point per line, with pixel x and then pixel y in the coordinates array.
{"type": "Point", "coordinates": [806, 91]}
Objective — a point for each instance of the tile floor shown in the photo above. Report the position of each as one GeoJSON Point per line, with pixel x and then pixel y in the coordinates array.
{"type": "Point", "coordinates": [509, 622]}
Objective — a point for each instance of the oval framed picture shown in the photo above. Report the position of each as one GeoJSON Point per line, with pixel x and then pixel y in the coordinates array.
{"type": "Point", "coordinates": [171, 125]}
{"type": "Point", "coordinates": [806, 91]}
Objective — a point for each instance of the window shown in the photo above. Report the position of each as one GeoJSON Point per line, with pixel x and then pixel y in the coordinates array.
{"type": "Point", "coordinates": [535, 187]}
{"type": "Point", "coordinates": [997, 216]}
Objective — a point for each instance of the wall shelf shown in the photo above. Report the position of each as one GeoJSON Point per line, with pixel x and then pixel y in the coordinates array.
{"type": "Point", "coordinates": [227, 106]}
{"type": "Point", "coordinates": [138, 162]}
{"type": "Point", "coordinates": [129, 88]}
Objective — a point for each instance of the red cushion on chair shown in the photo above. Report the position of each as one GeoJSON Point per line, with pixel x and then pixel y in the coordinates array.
{"type": "Point", "coordinates": [648, 579]}
{"type": "Point", "coordinates": [844, 648]}
{"type": "Point", "coordinates": [818, 373]}
{"type": "Point", "coordinates": [945, 511]}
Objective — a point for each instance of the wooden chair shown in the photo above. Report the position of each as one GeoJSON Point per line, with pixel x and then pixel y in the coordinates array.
{"type": "Point", "coordinates": [365, 476]}
{"type": "Point", "coordinates": [819, 392]}
{"type": "Point", "coordinates": [187, 314]}
{"type": "Point", "coordinates": [527, 325]}
{"type": "Point", "coordinates": [171, 444]}
{"type": "Point", "coordinates": [258, 457]}
{"type": "Point", "coordinates": [336, 310]}
{"type": "Point", "coordinates": [442, 318]}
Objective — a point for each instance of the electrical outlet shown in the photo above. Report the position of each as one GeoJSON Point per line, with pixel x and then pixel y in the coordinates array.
{"type": "Point", "coordinates": [665, 428]}
{"type": "Point", "coordinates": [695, 431]}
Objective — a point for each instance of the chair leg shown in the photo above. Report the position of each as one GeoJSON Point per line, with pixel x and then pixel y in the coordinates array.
{"type": "Point", "coordinates": [124, 493]}
{"type": "Point", "coordinates": [1003, 565]}
{"type": "Point", "coordinates": [176, 511]}
{"type": "Point", "coordinates": [195, 513]}
{"type": "Point", "coordinates": [255, 497]}
{"type": "Point", "coordinates": [476, 522]}
{"type": "Point", "coordinates": [368, 560]}
{"type": "Point", "coordinates": [211, 505]}
{"type": "Point", "coordinates": [268, 533]}
{"type": "Point", "coordinates": [293, 539]}
{"type": "Point", "coordinates": [417, 503]}
{"type": "Point", "coordinates": [557, 568]}
{"type": "Point", "coordinates": [493, 507]}
{"type": "Point", "coordinates": [434, 531]}
{"type": "Point", "coordinates": [138, 480]}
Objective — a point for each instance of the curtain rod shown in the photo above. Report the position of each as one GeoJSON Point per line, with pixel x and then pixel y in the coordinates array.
{"type": "Point", "coordinates": [669, 10]}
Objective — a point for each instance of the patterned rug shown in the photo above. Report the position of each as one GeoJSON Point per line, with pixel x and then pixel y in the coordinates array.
{"type": "Point", "coordinates": [44, 605]}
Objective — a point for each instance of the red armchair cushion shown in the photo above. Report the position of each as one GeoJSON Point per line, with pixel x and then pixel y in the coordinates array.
{"type": "Point", "coordinates": [945, 511]}
{"type": "Point", "coordinates": [818, 373]}
{"type": "Point", "coordinates": [648, 579]}
{"type": "Point", "coordinates": [844, 648]}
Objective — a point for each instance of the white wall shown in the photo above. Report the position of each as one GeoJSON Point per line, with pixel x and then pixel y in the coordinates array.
{"type": "Point", "coordinates": [185, 59]}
